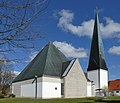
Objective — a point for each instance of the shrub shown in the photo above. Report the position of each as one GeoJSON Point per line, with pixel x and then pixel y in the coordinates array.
{"type": "Point", "coordinates": [2, 95]}
{"type": "Point", "coordinates": [12, 95]}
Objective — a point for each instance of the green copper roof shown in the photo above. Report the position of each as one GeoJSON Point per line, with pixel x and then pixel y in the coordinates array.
{"type": "Point", "coordinates": [48, 62]}
{"type": "Point", "coordinates": [97, 57]}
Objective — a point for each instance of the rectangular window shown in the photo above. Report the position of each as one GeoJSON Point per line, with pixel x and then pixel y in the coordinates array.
{"type": "Point", "coordinates": [62, 88]}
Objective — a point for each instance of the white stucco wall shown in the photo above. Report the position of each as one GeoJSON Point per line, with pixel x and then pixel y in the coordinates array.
{"type": "Point", "coordinates": [103, 78]}
{"type": "Point", "coordinates": [51, 87]}
{"type": "Point", "coordinates": [25, 88]}
{"type": "Point", "coordinates": [16, 89]}
{"type": "Point", "coordinates": [93, 76]}
{"type": "Point", "coordinates": [46, 88]}
{"type": "Point", "coordinates": [116, 92]}
{"type": "Point", "coordinates": [93, 90]}
{"type": "Point", "coordinates": [51, 90]}
{"type": "Point", "coordinates": [89, 89]}
{"type": "Point", "coordinates": [28, 90]}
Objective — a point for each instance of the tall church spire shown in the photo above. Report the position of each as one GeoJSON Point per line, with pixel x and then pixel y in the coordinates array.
{"type": "Point", "coordinates": [97, 57]}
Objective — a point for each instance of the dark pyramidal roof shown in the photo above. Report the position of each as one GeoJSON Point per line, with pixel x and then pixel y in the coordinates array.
{"type": "Point", "coordinates": [97, 57]}
{"type": "Point", "coordinates": [48, 62]}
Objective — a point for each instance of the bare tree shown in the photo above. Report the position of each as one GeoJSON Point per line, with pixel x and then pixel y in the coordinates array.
{"type": "Point", "coordinates": [16, 17]}
{"type": "Point", "coordinates": [105, 90]}
{"type": "Point", "coordinates": [6, 74]}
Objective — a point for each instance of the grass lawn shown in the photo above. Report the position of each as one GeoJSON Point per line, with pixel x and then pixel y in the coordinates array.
{"type": "Point", "coordinates": [80, 100]}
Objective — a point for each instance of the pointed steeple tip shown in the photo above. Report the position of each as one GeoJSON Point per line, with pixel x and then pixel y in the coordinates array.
{"type": "Point", "coordinates": [49, 43]}
{"type": "Point", "coordinates": [96, 9]}
{"type": "Point", "coordinates": [96, 16]}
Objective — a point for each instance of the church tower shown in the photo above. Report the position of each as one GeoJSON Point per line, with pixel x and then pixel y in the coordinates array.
{"type": "Point", "coordinates": [97, 69]}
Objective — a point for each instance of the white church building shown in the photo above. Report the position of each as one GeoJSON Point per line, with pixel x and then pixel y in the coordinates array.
{"type": "Point", "coordinates": [51, 75]}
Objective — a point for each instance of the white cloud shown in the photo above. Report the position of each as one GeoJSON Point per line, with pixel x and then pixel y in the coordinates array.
{"type": "Point", "coordinates": [111, 28]}
{"type": "Point", "coordinates": [65, 22]}
{"type": "Point", "coordinates": [32, 56]}
{"type": "Point", "coordinates": [114, 50]}
{"type": "Point", "coordinates": [69, 50]}
{"type": "Point", "coordinates": [108, 30]}
{"type": "Point", "coordinates": [16, 73]}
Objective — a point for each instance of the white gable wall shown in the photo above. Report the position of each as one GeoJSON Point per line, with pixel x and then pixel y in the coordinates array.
{"type": "Point", "coordinates": [75, 82]}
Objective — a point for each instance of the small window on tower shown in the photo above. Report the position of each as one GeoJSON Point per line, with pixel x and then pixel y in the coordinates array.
{"type": "Point", "coordinates": [117, 91]}
{"type": "Point", "coordinates": [55, 88]}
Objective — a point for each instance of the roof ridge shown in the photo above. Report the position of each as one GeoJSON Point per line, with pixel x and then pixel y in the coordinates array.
{"type": "Point", "coordinates": [49, 44]}
{"type": "Point", "coordinates": [58, 50]}
{"type": "Point", "coordinates": [59, 57]}
{"type": "Point", "coordinates": [100, 41]}
{"type": "Point", "coordinates": [37, 57]}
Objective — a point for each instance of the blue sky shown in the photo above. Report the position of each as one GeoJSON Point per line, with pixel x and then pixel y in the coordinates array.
{"type": "Point", "coordinates": [69, 25]}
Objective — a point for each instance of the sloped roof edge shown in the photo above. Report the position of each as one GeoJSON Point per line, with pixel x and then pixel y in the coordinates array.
{"type": "Point", "coordinates": [68, 68]}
